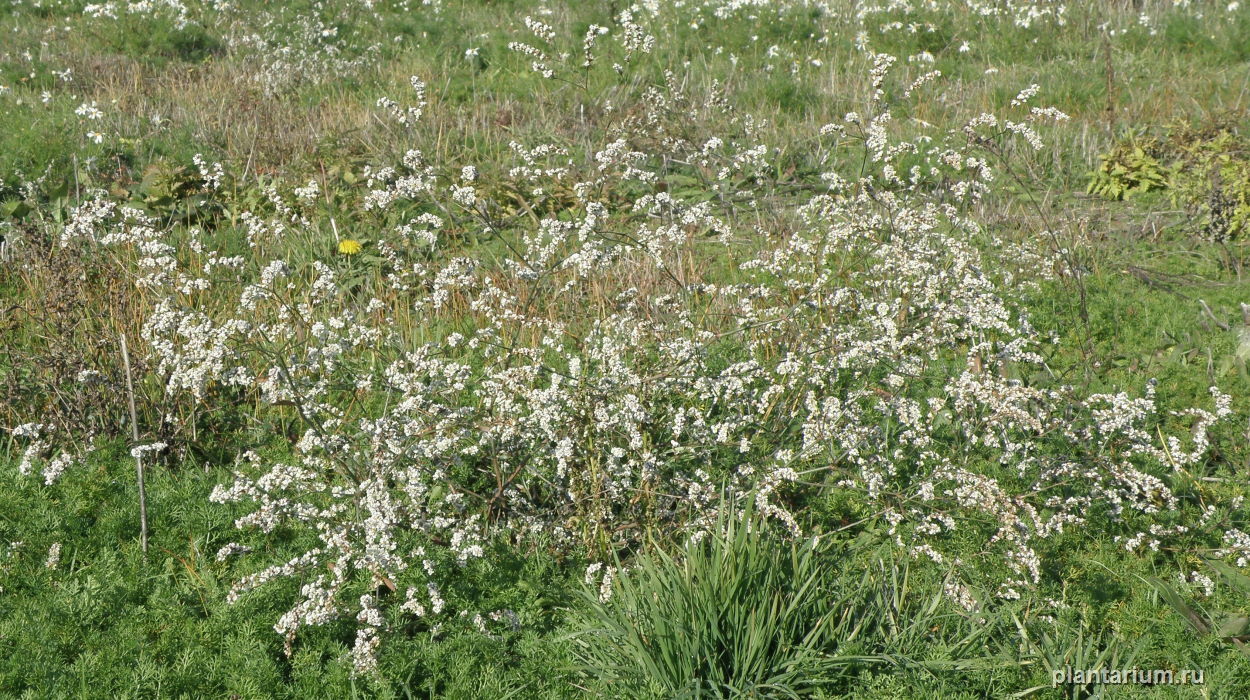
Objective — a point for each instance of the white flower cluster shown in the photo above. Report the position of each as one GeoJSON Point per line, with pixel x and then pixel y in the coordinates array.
{"type": "Point", "coordinates": [38, 446]}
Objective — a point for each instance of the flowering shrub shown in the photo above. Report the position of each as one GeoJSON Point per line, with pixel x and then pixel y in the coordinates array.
{"type": "Point", "coordinates": [633, 338]}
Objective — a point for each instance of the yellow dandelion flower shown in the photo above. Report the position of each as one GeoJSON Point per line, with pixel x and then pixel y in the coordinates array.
{"type": "Point", "coordinates": [349, 246]}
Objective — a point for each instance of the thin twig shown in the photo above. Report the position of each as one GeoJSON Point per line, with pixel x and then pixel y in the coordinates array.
{"type": "Point", "coordinates": [1207, 309]}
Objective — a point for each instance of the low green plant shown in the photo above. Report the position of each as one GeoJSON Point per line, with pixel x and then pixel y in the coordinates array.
{"type": "Point", "coordinates": [1205, 169]}
{"type": "Point", "coordinates": [734, 613]}
{"type": "Point", "coordinates": [1080, 648]}
{"type": "Point", "coordinates": [1130, 168]}
{"type": "Point", "coordinates": [1231, 626]}
{"type": "Point", "coordinates": [744, 612]}
{"type": "Point", "coordinates": [1212, 180]}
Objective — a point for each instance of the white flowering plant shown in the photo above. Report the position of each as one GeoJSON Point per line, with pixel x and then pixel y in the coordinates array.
{"type": "Point", "coordinates": [601, 339]}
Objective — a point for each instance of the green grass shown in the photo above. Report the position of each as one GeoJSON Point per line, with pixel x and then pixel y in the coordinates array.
{"type": "Point", "coordinates": [112, 622]}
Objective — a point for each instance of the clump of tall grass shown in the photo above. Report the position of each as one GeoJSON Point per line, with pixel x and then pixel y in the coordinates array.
{"type": "Point", "coordinates": [737, 612]}
{"type": "Point", "coordinates": [747, 611]}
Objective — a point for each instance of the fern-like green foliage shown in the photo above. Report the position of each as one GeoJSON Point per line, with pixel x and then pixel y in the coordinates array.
{"type": "Point", "coordinates": [1225, 625]}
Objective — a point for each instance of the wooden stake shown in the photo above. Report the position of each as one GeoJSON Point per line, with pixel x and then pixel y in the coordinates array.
{"type": "Point", "coordinates": [134, 432]}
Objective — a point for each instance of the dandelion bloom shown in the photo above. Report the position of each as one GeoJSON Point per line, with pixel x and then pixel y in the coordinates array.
{"type": "Point", "coordinates": [349, 246]}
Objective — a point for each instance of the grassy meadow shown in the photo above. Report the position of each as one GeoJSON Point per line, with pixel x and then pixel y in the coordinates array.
{"type": "Point", "coordinates": [729, 348]}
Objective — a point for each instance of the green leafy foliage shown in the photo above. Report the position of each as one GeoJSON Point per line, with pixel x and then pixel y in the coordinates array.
{"type": "Point", "coordinates": [1128, 169]}
{"type": "Point", "coordinates": [1229, 626]}
{"type": "Point", "coordinates": [1204, 169]}
{"type": "Point", "coordinates": [106, 621]}
{"type": "Point", "coordinates": [1212, 178]}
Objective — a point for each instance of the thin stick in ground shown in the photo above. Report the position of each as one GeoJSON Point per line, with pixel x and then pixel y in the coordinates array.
{"type": "Point", "coordinates": [134, 432]}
